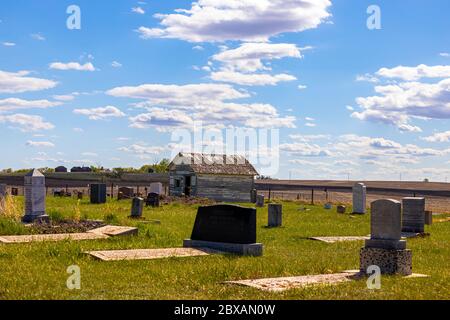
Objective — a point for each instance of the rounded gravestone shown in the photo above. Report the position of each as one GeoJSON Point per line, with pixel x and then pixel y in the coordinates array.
{"type": "Point", "coordinates": [359, 198]}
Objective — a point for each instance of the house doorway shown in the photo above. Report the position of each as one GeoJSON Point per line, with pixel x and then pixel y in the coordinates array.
{"type": "Point", "coordinates": [187, 186]}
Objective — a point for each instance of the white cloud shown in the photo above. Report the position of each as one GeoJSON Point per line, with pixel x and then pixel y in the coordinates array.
{"type": "Point", "coordinates": [173, 105]}
{"type": "Point", "coordinates": [398, 104]}
{"type": "Point", "coordinates": [415, 73]}
{"type": "Point", "coordinates": [38, 36]}
{"type": "Point", "coordinates": [367, 78]}
{"type": "Point", "coordinates": [240, 65]}
{"type": "Point", "coordinates": [438, 137]}
{"type": "Point", "coordinates": [65, 97]}
{"type": "Point", "coordinates": [255, 79]}
{"type": "Point", "coordinates": [200, 48]}
{"type": "Point", "coordinates": [18, 82]}
{"type": "Point", "coordinates": [161, 119]}
{"type": "Point", "coordinates": [310, 137]}
{"type": "Point", "coordinates": [311, 125]}
{"type": "Point", "coordinates": [40, 144]}
{"type": "Point", "coordinates": [116, 64]}
{"type": "Point", "coordinates": [26, 123]}
{"type": "Point", "coordinates": [187, 95]}
{"type": "Point", "coordinates": [138, 10]}
{"type": "Point", "coordinates": [249, 57]}
{"type": "Point", "coordinates": [302, 87]}
{"type": "Point", "coordinates": [360, 156]}
{"type": "Point", "coordinates": [101, 113]}
{"type": "Point", "coordinates": [444, 54]}
{"type": "Point", "coordinates": [9, 44]}
{"type": "Point", "coordinates": [140, 149]}
{"type": "Point", "coordinates": [369, 148]}
{"type": "Point", "coordinates": [72, 66]}
{"type": "Point", "coordinates": [12, 104]}
{"type": "Point", "coordinates": [305, 149]}
{"type": "Point", "coordinates": [242, 20]}
{"type": "Point", "coordinates": [89, 154]}
{"type": "Point", "coordinates": [79, 130]}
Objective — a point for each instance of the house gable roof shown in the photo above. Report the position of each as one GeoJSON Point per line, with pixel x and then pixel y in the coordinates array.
{"type": "Point", "coordinates": [215, 164]}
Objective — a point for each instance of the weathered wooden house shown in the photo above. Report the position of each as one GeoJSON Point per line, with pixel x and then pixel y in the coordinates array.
{"type": "Point", "coordinates": [217, 177]}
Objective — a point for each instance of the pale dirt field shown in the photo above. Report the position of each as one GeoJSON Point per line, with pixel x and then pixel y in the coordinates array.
{"type": "Point", "coordinates": [435, 204]}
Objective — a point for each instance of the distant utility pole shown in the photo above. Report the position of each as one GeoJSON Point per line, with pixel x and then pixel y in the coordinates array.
{"type": "Point", "coordinates": [348, 176]}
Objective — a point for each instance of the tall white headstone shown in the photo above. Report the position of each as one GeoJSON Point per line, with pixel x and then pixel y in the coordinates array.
{"type": "Point", "coordinates": [34, 197]}
{"type": "Point", "coordinates": [2, 196]}
{"type": "Point", "coordinates": [385, 248]}
{"type": "Point", "coordinates": [156, 187]}
{"type": "Point", "coordinates": [359, 198]}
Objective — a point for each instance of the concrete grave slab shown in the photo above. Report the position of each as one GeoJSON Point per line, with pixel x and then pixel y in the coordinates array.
{"type": "Point", "coordinates": [99, 233]}
{"type": "Point", "coordinates": [115, 231]}
{"type": "Point", "coordinates": [408, 235]}
{"type": "Point", "coordinates": [287, 283]}
{"type": "Point", "coordinates": [339, 239]}
{"type": "Point", "coordinates": [150, 254]}
{"type": "Point", "coordinates": [51, 237]}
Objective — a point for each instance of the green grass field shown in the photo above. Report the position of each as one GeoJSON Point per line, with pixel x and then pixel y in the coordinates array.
{"type": "Point", "coordinates": [38, 270]}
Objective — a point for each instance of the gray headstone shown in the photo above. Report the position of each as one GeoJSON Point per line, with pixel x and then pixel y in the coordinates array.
{"type": "Point", "coordinates": [2, 195]}
{"type": "Point", "coordinates": [428, 218]}
{"type": "Point", "coordinates": [253, 194]}
{"type": "Point", "coordinates": [359, 198]}
{"type": "Point", "coordinates": [34, 184]}
{"type": "Point", "coordinates": [2, 190]}
{"type": "Point", "coordinates": [137, 207]}
{"type": "Point", "coordinates": [386, 225]}
{"type": "Point", "coordinates": [260, 200]}
{"type": "Point", "coordinates": [156, 188]}
{"type": "Point", "coordinates": [341, 209]}
{"type": "Point", "coordinates": [413, 215]}
{"type": "Point", "coordinates": [275, 215]}
{"type": "Point", "coordinates": [125, 193]}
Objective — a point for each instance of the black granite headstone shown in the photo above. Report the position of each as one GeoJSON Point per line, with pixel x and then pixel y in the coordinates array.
{"type": "Point", "coordinates": [152, 200]}
{"type": "Point", "coordinates": [98, 193]}
{"type": "Point", "coordinates": [137, 206]}
{"type": "Point", "coordinates": [225, 223]}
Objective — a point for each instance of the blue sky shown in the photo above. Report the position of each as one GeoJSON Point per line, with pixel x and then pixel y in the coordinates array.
{"type": "Point", "coordinates": [372, 104]}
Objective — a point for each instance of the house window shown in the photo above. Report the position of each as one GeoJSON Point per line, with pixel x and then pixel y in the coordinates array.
{"type": "Point", "coordinates": [177, 183]}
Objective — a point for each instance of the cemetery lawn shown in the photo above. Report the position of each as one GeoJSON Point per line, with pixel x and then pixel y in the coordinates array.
{"type": "Point", "coordinates": [38, 270]}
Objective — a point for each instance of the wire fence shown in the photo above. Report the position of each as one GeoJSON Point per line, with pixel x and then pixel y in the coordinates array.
{"type": "Point", "coordinates": [320, 197]}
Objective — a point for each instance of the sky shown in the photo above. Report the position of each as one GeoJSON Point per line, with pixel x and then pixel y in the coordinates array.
{"type": "Point", "coordinates": [351, 91]}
